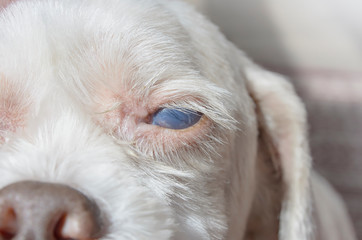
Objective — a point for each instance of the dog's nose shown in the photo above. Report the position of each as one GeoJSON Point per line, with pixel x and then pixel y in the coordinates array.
{"type": "Point", "coordinates": [45, 211]}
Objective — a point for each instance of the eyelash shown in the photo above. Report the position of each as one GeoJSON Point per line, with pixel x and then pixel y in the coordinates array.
{"type": "Point", "coordinates": [153, 139]}
{"type": "Point", "coordinates": [148, 138]}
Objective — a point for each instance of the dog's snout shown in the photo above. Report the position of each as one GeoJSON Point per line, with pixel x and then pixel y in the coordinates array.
{"type": "Point", "coordinates": [34, 210]}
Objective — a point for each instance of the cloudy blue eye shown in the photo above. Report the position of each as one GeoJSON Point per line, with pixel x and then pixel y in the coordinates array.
{"type": "Point", "coordinates": [175, 118]}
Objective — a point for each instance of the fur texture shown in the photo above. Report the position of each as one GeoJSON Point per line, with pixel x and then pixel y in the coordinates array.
{"type": "Point", "coordinates": [79, 80]}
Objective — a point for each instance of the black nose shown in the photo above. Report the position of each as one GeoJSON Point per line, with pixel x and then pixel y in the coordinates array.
{"type": "Point", "coordinates": [45, 211]}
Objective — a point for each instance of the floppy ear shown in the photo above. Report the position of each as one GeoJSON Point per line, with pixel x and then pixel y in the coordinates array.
{"type": "Point", "coordinates": [282, 129]}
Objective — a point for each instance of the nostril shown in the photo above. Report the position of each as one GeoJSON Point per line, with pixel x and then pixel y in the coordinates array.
{"type": "Point", "coordinates": [77, 225]}
{"type": "Point", "coordinates": [7, 223]}
{"type": "Point", "coordinates": [59, 226]}
{"type": "Point", "coordinates": [70, 228]}
{"type": "Point", "coordinates": [60, 230]}
{"type": "Point", "coordinates": [35, 210]}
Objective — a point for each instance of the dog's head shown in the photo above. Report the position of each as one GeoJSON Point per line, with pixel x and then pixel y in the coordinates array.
{"type": "Point", "coordinates": [156, 125]}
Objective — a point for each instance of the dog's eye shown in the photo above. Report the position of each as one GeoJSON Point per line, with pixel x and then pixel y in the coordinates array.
{"type": "Point", "coordinates": [178, 118]}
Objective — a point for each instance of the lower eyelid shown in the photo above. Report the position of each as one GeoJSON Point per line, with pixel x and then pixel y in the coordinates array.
{"type": "Point", "coordinates": [170, 139]}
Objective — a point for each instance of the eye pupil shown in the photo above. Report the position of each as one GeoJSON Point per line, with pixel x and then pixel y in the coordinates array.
{"type": "Point", "coordinates": [175, 118]}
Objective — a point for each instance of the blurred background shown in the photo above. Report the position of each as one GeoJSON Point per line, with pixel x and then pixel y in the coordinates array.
{"type": "Point", "coordinates": [318, 45]}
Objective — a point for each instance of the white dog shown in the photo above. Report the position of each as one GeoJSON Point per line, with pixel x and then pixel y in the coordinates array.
{"type": "Point", "coordinates": [137, 119]}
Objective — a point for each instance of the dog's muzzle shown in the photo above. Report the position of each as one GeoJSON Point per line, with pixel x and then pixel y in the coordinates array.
{"type": "Point", "coordinates": [35, 210]}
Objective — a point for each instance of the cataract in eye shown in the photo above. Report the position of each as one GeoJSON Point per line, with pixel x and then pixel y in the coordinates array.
{"type": "Point", "coordinates": [176, 118]}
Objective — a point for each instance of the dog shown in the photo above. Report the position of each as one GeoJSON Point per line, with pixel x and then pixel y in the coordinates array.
{"type": "Point", "coordinates": [137, 119]}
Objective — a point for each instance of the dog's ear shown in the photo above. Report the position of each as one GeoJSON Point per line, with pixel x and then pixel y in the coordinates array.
{"type": "Point", "coordinates": [194, 2]}
{"type": "Point", "coordinates": [282, 131]}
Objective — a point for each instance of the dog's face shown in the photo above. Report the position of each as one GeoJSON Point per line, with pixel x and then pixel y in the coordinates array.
{"type": "Point", "coordinates": [143, 107]}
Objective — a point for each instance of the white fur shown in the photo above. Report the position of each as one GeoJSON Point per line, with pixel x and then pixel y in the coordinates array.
{"type": "Point", "coordinates": [79, 74]}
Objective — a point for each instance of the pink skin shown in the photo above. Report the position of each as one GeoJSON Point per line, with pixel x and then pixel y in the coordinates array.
{"type": "Point", "coordinates": [12, 108]}
{"type": "Point", "coordinates": [4, 3]}
{"type": "Point", "coordinates": [11, 111]}
{"type": "Point", "coordinates": [130, 121]}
